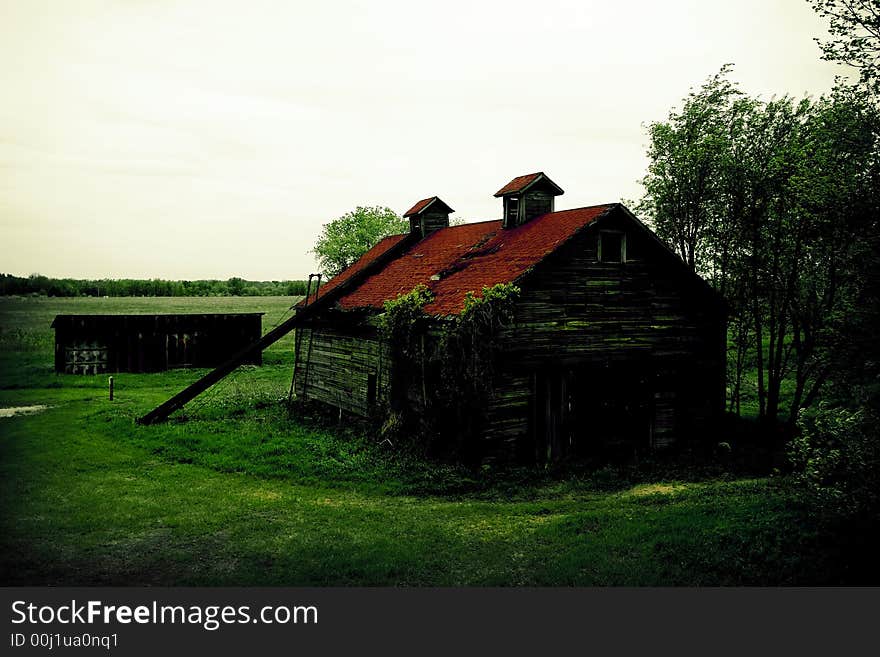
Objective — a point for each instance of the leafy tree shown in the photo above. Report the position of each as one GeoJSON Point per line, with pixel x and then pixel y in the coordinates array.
{"type": "Point", "coordinates": [348, 237]}
{"type": "Point", "coordinates": [686, 152]}
{"type": "Point", "coordinates": [834, 309]}
{"type": "Point", "coordinates": [776, 203]}
{"type": "Point", "coordinates": [235, 286]}
{"type": "Point", "coordinates": [855, 36]}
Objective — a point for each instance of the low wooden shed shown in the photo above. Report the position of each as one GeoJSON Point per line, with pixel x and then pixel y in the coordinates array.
{"type": "Point", "coordinates": [94, 344]}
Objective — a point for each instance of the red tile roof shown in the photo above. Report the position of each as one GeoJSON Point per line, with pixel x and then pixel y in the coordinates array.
{"type": "Point", "coordinates": [418, 207]}
{"type": "Point", "coordinates": [522, 183]}
{"type": "Point", "coordinates": [518, 184]}
{"type": "Point", "coordinates": [466, 258]}
{"type": "Point", "coordinates": [382, 246]}
{"type": "Point", "coordinates": [425, 203]}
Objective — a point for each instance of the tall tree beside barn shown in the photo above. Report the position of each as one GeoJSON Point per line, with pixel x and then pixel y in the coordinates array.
{"type": "Point", "coordinates": [774, 202]}
{"type": "Point", "coordinates": [347, 238]}
{"type": "Point", "coordinates": [834, 312]}
{"type": "Point", "coordinates": [686, 153]}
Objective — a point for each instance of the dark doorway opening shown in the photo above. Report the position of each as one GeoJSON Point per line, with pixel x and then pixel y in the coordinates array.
{"type": "Point", "coordinates": [180, 349]}
{"type": "Point", "coordinates": [599, 411]}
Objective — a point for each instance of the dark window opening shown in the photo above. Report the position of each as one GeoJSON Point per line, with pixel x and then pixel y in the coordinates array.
{"type": "Point", "coordinates": [371, 389]}
{"type": "Point", "coordinates": [512, 211]}
{"type": "Point", "coordinates": [612, 247]}
{"type": "Point", "coordinates": [415, 225]}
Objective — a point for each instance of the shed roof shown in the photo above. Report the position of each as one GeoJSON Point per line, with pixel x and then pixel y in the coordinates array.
{"type": "Point", "coordinates": [425, 203]}
{"type": "Point", "coordinates": [522, 183]}
{"type": "Point", "coordinates": [96, 319]}
{"type": "Point", "coordinates": [460, 259]}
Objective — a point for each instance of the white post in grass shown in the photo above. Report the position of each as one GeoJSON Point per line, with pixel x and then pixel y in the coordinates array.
{"type": "Point", "coordinates": [111, 388]}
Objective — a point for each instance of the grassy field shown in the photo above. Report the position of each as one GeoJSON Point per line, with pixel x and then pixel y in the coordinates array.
{"type": "Point", "coordinates": [235, 492]}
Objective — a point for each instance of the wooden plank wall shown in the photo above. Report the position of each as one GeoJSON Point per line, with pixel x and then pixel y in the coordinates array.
{"type": "Point", "coordinates": [575, 310]}
{"type": "Point", "coordinates": [338, 370]}
{"type": "Point", "coordinates": [96, 344]}
{"type": "Point", "coordinates": [537, 203]}
{"type": "Point", "coordinates": [432, 221]}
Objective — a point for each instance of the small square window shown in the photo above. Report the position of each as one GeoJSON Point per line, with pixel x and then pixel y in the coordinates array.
{"type": "Point", "coordinates": [612, 246]}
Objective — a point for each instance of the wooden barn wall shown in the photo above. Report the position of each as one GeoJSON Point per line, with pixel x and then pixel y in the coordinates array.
{"type": "Point", "coordinates": [574, 311]}
{"type": "Point", "coordinates": [537, 203]}
{"type": "Point", "coordinates": [334, 364]}
{"type": "Point", "coordinates": [432, 221]}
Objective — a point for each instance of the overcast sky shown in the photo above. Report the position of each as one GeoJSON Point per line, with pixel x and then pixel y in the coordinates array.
{"type": "Point", "coordinates": [209, 139]}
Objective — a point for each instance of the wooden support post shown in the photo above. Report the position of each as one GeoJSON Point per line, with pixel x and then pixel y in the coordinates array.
{"type": "Point", "coordinates": [177, 401]}
{"type": "Point", "coordinates": [296, 347]}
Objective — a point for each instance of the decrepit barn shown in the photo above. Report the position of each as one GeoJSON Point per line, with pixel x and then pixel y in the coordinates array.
{"type": "Point", "coordinates": [614, 342]}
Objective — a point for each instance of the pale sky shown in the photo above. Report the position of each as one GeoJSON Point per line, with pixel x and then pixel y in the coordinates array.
{"type": "Point", "coordinates": [208, 139]}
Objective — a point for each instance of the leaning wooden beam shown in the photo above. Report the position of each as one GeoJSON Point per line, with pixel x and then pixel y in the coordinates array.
{"type": "Point", "coordinates": [189, 393]}
{"type": "Point", "coordinates": [162, 411]}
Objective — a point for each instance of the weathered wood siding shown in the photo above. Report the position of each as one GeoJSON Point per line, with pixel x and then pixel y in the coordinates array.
{"type": "Point", "coordinates": [575, 311]}
{"type": "Point", "coordinates": [96, 344]}
{"type": "Point", "coordinates": [537, 202]}
{"type": "Point", "coordinates": [432, 221]}
{"type": "Point", "coordinates": [526, 206]}
{"type": "Point", "coordinates": [427, 222]}
{"type": "Point", "coordinates": [338, 364]}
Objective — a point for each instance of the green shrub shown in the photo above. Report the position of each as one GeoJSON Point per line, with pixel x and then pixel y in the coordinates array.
{"type": "Point", "coordinates": [836, 459]}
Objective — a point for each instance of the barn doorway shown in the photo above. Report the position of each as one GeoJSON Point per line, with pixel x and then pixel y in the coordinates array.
{"type": "Point", "coordinates": [598, 411]}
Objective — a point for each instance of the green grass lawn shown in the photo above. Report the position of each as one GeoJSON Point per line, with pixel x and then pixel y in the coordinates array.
{"type": "Point", "coordinates": [233, 491]}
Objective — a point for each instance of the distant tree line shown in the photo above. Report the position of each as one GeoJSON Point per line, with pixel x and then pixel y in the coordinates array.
{"type": "Point", "coordinates": [39, 285]}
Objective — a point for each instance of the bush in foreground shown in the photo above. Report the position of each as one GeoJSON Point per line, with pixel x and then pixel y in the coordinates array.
{"type": "Point", "coordinates": [836, 458]}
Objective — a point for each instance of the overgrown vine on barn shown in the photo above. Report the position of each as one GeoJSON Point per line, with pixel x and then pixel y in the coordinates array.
{"type": "Point", "coordinates": [468, 350]}
{"type": "Point", "coordinates": [442, 378]}
{"type": "Point", "coordinates": [402, 326]}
